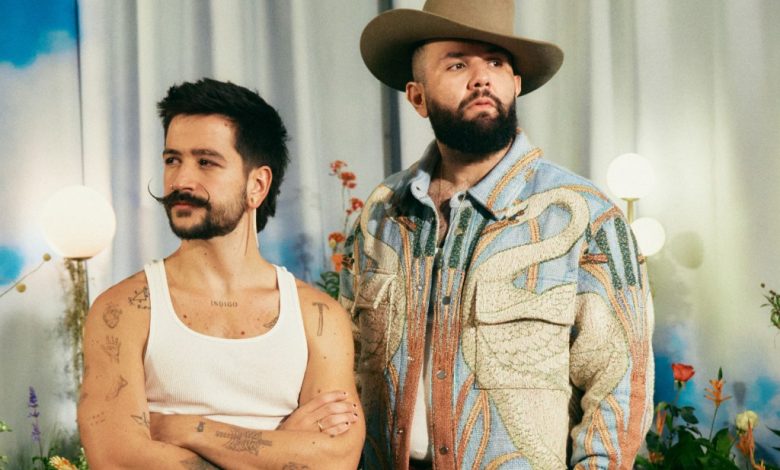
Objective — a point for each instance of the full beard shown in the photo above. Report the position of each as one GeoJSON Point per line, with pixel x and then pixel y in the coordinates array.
{"type": "Point", "coordinates": [477, 138]}
{"type": "Point", "coordinates": [217, 222]}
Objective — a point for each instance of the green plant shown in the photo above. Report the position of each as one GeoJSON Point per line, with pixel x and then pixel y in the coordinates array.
{"type": "Point", "coordinates": [4, 458]}
{"type": "Point", "coordinates": [675, 442]}
{"type": "Point", "coordinates": [329, 279]}
{"type": "Point", "coordinates": [773, 302]}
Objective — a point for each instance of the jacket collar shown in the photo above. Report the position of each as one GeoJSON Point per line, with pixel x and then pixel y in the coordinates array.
{"type": "Point", "coordinates": [498, 192]}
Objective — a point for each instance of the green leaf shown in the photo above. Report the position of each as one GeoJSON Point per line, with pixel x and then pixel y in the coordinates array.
{"type": "Point", "coordinates": [776, 431]}
{"type": "Point", "coordinates": [329, 282]}
{"type": "Point", "coordinates": [687, 414]}
{"type": "Point", "coordinates": [653, 441]}
{"type": "Point", "coordinates": [720, 373]}
{"type": "Point", "coordinates": [721, 442]}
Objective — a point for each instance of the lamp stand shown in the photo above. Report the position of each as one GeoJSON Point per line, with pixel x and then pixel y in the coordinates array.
{"type": "Point", "coordinates": [77, 305]}
{"type": "Point", "coordinates": [630, 208]}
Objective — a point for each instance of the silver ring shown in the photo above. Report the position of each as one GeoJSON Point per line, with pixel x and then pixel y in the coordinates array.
{"type": "Point", "coordinates": [320, 425]}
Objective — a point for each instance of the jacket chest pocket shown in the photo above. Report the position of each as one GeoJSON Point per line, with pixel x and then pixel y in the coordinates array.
{"type": "Point", "coordinates": [522, 337]}
{"type": "Point", "coordinates": [374, 317]}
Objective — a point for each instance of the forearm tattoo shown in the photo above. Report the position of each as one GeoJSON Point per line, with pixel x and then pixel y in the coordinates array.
{"type": "Point", "coordinates": [121, 383]}
{"type": "Point", "coordinates": [295, 466]}
{"type": "Point", "coordinates": [142, 420]}
{"type": "Point", "coordinates": [244, 441]}
{"type": "Point", "coordinates": [197, 463]}
{"type": "Point", "coordinates": [321, 307]}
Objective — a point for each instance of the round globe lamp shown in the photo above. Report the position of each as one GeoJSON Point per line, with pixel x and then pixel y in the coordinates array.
{"type": "Point", "coordinates": [650, 235]}
{"type": "Point", "coordinates": [78, 222]}
{"type": "Point", "coordinates": [630, 176]}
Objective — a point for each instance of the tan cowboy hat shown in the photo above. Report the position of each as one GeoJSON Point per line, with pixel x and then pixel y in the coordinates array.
{"type": "Point", "coordinates": [389, 40]}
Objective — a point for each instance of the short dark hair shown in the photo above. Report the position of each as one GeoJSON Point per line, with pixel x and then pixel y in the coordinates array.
{"type": "Point", "coordinates": [261, 138]}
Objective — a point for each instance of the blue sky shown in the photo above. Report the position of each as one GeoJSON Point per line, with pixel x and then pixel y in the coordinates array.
{"type": "Point", "coordinates": [32, 27]}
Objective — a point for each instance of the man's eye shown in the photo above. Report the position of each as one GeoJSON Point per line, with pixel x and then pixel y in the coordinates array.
{"type": "Point", "coordinates": [496, 62]}
{"type": "Point", "coordinates": [204, 162]}
{"type": "Point", "coordinates": [170, 160]}
{"type": "Point", "coordinates": [457, 66]}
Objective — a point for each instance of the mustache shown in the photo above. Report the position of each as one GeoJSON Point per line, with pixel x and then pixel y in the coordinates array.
{"type": "Point", "coordinates": [477, 94]}
{"type": "Point", "coordinates": [177, 196]}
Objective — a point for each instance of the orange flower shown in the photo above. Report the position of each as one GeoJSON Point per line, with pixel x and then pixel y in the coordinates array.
{"type": "Point", "coordinates": [337, 165]}
{"type": "Point", "coordinates": [337, 260]}
{"type": "Point", "coordinates": [348, 179]}
{"type": "Point", "coordinates": [746, 443]}
{"type": "Point", "coordinates": [355, 204]}
{"type": "Point", "coordinates": [656, 457]}
{"type": "Point", "coordinates": [335, 238]}
{"type": "Point", "coordinates": [716, 393]}
{"type": "Point", "coordinates": [660, 419]}
{"type": "Point", "coordinates": [61, 463]}
{"type": "Point", "coordinates": [682, 372]}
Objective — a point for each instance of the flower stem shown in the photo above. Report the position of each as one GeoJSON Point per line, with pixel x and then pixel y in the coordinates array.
{"type": "Point", "coordinates": [712, 425]}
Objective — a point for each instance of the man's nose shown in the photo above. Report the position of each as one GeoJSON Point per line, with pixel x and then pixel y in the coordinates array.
{"type": "Point", "coordinates": [183, 178]}
{"type": "Point", "coordinates": [480, 77]}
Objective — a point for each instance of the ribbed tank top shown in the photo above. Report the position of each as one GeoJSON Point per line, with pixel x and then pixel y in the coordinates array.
{"type": "Point", "coordinates": [248, 382]}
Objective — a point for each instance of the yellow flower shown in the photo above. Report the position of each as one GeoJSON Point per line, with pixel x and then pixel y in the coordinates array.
{"type": "Point", "coordinates": [61, 463]}
{"type": "Point", "coordinates": [747, 419]}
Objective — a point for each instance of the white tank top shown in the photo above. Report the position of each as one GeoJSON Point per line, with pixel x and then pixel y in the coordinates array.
{"type": "Point", "coordinates": [248, 382]}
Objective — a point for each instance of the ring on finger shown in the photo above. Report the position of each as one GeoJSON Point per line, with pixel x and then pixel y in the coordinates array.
{"type": "Point", "coordinates": [319, 425]}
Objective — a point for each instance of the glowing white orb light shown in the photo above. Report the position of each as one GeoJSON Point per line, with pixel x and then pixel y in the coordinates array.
{"type": "Point", "coordinates": [78, 222]}
{"type": "Point", "coordinates": [630, 176]}
{"type": "Point", "coordinates": [650, 235]}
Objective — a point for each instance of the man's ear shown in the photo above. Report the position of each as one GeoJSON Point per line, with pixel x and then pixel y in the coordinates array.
{"type": "Point", "coordinates": [415, 94]}
{"type": "Point", "coordinates": [258, 185]}
{"type": "Point", "coordinates": [518, 85]}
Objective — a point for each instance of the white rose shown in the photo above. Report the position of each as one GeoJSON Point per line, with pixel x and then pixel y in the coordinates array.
{"type": "Point", "coordinates": [747, 418]}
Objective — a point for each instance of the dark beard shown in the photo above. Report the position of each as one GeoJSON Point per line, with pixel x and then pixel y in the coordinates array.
{"type": "Point", "coordinates": [216, 223]}
{"type": "Point", "coordinates": [476, 138]}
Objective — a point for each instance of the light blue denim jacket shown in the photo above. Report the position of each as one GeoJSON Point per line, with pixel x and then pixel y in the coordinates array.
{"type": "Point", "coordinates": [541, 320]}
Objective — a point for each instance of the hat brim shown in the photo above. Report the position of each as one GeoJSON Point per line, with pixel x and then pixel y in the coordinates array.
{"type": "Point", "coordinates": [389, 40]}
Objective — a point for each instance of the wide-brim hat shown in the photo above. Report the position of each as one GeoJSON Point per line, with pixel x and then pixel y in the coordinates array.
{"type": "Point", "coordinates": [389, 40]}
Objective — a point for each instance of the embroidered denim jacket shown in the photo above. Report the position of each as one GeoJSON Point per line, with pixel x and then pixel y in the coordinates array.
{"type": "Point", "coordinates": [541, 320]}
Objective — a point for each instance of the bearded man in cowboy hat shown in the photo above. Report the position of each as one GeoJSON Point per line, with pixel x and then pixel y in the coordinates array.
{"type": "Point", "coordinates": [502, 305]}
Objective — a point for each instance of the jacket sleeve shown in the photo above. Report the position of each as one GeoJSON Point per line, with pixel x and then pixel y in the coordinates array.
{"type": "Point", "coordinates": [348, 284]}
{"type": "Point", "coordinates": [611, 362]}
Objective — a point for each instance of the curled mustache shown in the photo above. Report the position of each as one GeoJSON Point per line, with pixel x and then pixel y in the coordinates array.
{"type": "Point", "coordinates": [177, 196]}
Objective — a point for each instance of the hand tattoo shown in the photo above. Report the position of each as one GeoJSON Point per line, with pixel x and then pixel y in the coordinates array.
{"type": "Point", "coordinates": [112, 348]}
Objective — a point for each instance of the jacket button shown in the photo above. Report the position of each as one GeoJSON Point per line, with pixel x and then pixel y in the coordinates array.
{"type": "Point", "coordinates": [441, 375]}
{"type": "Point", "coordinates": [399, 431]}
{"type": "Point", "coordinates": [444, 450]}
